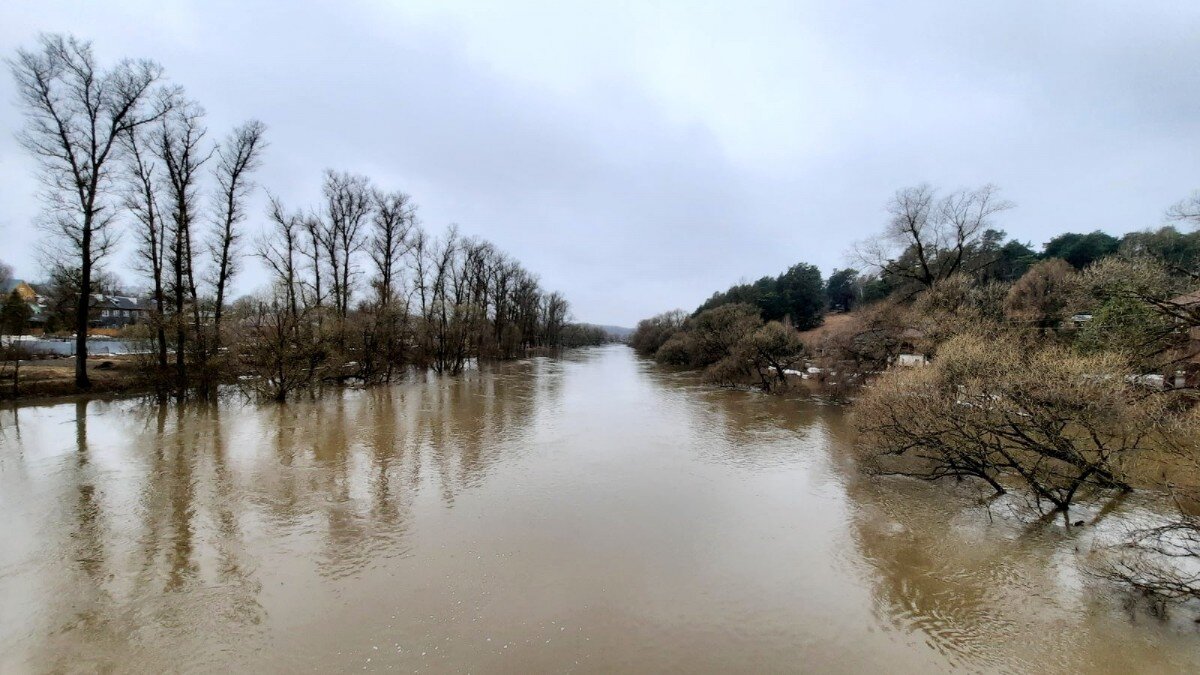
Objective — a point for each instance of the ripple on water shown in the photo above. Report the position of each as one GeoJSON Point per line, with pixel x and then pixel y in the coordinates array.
{"type": "Point", "coordinates": [596, 514]}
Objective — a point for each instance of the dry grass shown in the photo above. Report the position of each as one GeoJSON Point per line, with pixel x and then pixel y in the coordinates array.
{"type": "Point", "coordinates": [832, 323]}
{"type": "Point", "coordinates": [56, 377]}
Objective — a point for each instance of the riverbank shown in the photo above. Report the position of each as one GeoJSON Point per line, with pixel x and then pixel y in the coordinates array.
{"type": "Point", "coordinates": [110, 374]}
{"type": "Point", "coordinates": [55, 377]}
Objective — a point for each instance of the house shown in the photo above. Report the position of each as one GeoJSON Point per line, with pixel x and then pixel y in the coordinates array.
{"type": "Point", "coordinates": [107, 311]}
{"type": "Point", "coordinates": [118, 311]}
{"type": "Point", "coordinates": [37, 304]}
{"type": "Point", "coordinates": [22, 288]}
{"type": "Point", "coordinates": [910, 352]}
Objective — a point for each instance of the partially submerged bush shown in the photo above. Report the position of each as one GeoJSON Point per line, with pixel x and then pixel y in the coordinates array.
{"type": "Point", "coordinates": [1042, 418]}
{"type": "Point", "coordinates": [716, 332]}
{"type": "Point", "coordinates": [676, 351]}
{"type": "Point", "coordinates": [1162, 560]}
{"type": "Point", "coordinates": [651, 334]}
{"type": "Point", "coordinates": [772, 350]}
{"type": "Point", "coordinates": [707, 337]}
{"type": "Point", "coordinates": [733, 347]}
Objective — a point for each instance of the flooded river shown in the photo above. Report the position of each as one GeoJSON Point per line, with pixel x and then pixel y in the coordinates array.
{"type": "Point", "coordinates": [585, 514]}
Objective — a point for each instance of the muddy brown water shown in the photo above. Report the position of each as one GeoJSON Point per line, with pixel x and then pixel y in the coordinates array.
{"type": "Point", "coordinates": [586, 514]}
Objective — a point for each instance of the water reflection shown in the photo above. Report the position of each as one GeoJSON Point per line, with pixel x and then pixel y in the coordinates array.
{"type": "Point", "coordinates": [591, 513]}
{"type": "Point", "coordinates": [989, 590]}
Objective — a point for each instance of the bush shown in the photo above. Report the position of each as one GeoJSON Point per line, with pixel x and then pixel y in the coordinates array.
{"type": "Point", "coordinates": [1045, 296]}
{"type": "Point", "coordinates": [771, 350]}
{"type": "Point", "coordinates": [676, 351]}
{"type": "Point", "coordinates": [716, 332]}
{"type": "Point", "coordinates": [652, 333]}
{"type": "Point", "coordinates": [1005, 413]}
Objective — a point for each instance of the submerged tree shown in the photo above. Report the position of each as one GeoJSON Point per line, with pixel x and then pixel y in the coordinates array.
{"type": "Point", "coordinates": [435, 302]}
{"type": "Point", "coordinates": [143, 201]}
{"type": "Point", "coordinates": [279, 353]}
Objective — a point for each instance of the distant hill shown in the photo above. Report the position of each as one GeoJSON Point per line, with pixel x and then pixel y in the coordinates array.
{"type": "Point", "coordinates": [618, 332]}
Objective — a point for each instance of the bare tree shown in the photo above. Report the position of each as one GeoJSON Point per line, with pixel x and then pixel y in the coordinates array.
{"type": "Point", "coordinates": [395, 218]}
{"type": "Point", "coordinates": [1187, 210]}
{"type": "Point", "coordinates": [179, 145]}
{"type": "Point", "coordinates": [554, 317]}
{"type": "Point", "coordinates": [142, 201]}
{"type": "Point", "coordinates": [928, 239]}
{"type": "Point", "coordinates": [470, 281]}
{"type": "Point", "coordinates": [76, 113]}
{"type": "Point", "coordinates": [963, 217]}
{"type": "Point", "coordinates": [391, 240]}
{"type": "Point", "coordinates": [311, 248]}
{"type": "Point", "coordinates": [440, 318]}
{"type": "Point", "coordinates": [527, 294]}
{"type": "Point", "coordinates": [280, 249]}
{"type": "Point", "coordinates": [348, 206]}
{"type": "Point", "coordinates": [501, 274]}
{"type": "Point", "coordinates": [237, 157]}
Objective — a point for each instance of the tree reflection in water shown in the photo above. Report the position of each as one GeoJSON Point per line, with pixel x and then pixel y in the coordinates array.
{"type": "Point", "coordinates": [593, 509]}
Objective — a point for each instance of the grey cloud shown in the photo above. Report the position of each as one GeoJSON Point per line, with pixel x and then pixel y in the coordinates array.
{"type": "Point", "coordinates": [621, 190]}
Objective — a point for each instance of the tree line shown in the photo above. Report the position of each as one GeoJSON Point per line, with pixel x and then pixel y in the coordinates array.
{"type": "Point", "coordinates": [434, 301]}
{"type": "Point", "coordinates": [746, 334]}
{"type": "Point", "coordinates": [359, 289]}
{"type": "Point", "coordinates": [935, 240]}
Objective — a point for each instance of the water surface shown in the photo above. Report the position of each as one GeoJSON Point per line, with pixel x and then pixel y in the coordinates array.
{"type": "Point", "coordinates": [586, 514]}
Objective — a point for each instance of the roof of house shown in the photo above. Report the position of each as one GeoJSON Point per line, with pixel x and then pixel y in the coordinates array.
{"type": "Point", "coordinates": [122, 302]}
{"type": "Point", "coordinates": [9, 285]}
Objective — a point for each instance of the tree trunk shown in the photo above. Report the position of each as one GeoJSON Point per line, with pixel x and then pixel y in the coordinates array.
{"type": "Point", "coordinates": [81, 312]}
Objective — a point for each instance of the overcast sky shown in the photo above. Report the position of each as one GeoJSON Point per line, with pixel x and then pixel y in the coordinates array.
{"type": "Point", "coordinates": [638, 155]}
